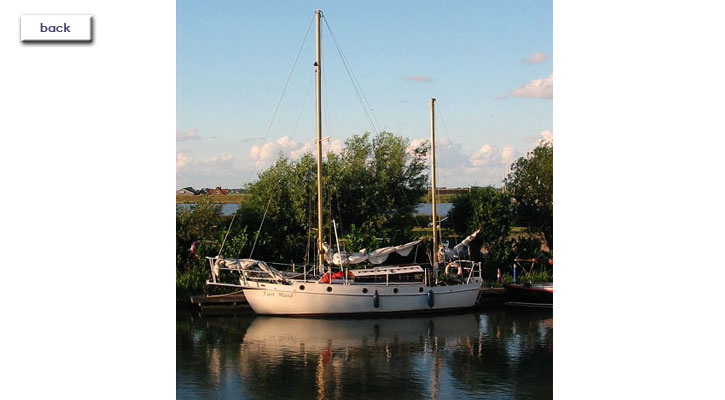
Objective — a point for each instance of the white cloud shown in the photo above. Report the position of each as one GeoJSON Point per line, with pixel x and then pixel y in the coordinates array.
{"type": "Point", "coordinates": [457, 167]}
{"type": "Point", "coordinates": [191, 134]}
{"type": "Point", "coordinates": [538, 88]}
{"type": "Point", "coordinates": [267, 153]}
{"type": "Point", "coordinates": [489, 155]}
{"type": "Point", "coordinates": [335, 146]}
{"type": "Point", "coordinates": [414, 144]}
{"type": "Point", "coordinates": [181, 160]}
{"type": "Point", "coordinates": [299, 152]}
{"type": "Point", "coordinates": [547, 136]}
{"type": "Point", "coordinates": [218, 170]}
{"type": "Point", "coordinates": [508, 154]}
{"type": "Point", "coordinates": [536, 58]}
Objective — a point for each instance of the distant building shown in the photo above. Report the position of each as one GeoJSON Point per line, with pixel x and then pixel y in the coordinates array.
{"type": "Point", "coordinates": [187, 191]}
{"type": "Point", "coordinates": [218, 191]}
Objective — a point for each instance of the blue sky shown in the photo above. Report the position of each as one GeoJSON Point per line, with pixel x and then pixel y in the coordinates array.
{"type": "Point", "coordinates": [489, 64]}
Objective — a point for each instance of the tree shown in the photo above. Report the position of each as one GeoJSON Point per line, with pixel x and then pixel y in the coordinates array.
{"type": "Point", "coordinates": [487, 208]}
{"type": "Point", "coordinates": [531, 184]}
{"type": "Point", "coordinates": [373, 185]}
{"type": "Point", "coordinates": [490, 210]}
{"type": "Point", "coordinates": [376, 183]}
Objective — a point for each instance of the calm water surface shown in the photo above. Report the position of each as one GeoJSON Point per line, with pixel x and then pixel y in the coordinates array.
{"type": "Point", "coordinates": [500, 354]}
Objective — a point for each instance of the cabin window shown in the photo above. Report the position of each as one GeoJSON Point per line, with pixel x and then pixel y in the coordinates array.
{"type": "Point", "coordinates": [420, 289]}
{"type": "Point", "coordinates": [365, 290]}
{"type": "Point", "coordinates": [329, 289]}
{"type": "Point", "coordinates": [381, 278]}
{"type": "Point", "coordinates": [302, 287]}
{"type": "Point", "coordinates": [395, 290]}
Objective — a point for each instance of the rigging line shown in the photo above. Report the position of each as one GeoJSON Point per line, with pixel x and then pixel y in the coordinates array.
{"type": "Point", "coordinates": [309, 228]}
{"type": "Point", "coordinates": [339, 212]}
{"type": "Point", "coordinates": [227, 234]}
{"type": "Point", "coordinates": [281, 176]}
{"type": "Point", "coordinates": [281, 97]}
{"type": "Point", "coordinates": [361, 97]}
{"type": "Point", "coordinates": [260, 226]}
{"type": "Point", "coordinates": [327, 102]}
{"type": "Point", "coordinates": [436, 219]}
{"type": "Point", "coordinates": [269, 128]}
{"type": "Point", "coordinates": [457, 160]}
{"type": "Point", "coordinates": [302, 109]}
{"type": "Point", "coordinates": [269, 201]}
{"type": "Point", "coordinates": [445, 127]}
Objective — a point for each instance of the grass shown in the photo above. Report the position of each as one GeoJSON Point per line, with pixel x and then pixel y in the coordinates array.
{"type": "Point", "coordinates": [442, 198]}
{"type": "Point", "coordinates": [220, 199]}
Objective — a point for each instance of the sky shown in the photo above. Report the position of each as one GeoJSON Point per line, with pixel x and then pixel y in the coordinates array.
{"type": "Point", "coordinates": [489, 64]}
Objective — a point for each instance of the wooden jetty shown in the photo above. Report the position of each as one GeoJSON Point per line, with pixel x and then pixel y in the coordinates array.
{"type": "Point", "coordinates": [222, 304]}
{"type": "Point", "coordinates": [491, 297]}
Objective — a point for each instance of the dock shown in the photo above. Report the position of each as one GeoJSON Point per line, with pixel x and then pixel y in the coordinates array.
{"type": "Point", "coordinates": [222, 304]}
{"type": "Point", "coordinates": [491, 297]}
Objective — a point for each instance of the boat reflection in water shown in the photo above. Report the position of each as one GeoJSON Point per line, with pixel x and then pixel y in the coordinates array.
{"type": "Point", "coordinates": [498, 354]}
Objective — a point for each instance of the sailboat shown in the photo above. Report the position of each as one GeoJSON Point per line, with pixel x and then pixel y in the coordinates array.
{"type": "Point", "coordinates": [407, 288]}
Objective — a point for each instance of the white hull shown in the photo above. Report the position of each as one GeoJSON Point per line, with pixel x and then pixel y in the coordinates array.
{"type": "Point", "coordinates": [313, 298]}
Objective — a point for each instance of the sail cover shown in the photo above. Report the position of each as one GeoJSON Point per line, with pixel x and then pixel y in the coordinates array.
{"type": "Point", "coordinates": [376, 257]}
{"type": "Point", "coordinates": [460, 246]}
{"type": "Point", "coordinates": [243, 264]}
{"type": "Point", "coordinates": [461, 249]}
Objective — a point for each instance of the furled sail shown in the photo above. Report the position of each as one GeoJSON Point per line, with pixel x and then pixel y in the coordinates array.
{"type": "Point", "coordinates": [461, 249]}
{"type": "Point", "coordinates": [376, 257]}
{"type": "Point", "coordinates": [245, 264]}
{"type": "Point", "coordinates": [465, 242]}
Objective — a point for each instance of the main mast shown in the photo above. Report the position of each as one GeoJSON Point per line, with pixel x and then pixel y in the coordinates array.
{"type": "Point", "coordinates": [318, 80]}
{"type": "Point", "coordinates": [433, 185]}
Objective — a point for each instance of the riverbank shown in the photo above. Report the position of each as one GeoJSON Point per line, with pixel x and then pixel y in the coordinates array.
{"type": "Point", "coordinates": [235, 198]}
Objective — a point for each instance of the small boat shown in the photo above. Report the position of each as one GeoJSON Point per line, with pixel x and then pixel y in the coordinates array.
{"type": "Point", "coordinates": [539, 294]}
{"type": "Point", "coordinates": [411, 288]}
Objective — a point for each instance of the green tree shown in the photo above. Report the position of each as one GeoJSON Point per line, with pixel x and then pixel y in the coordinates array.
{"type": "Point", "coordinates": [531, 184]}
{"type": "Point", "coordinates": [376, 184]}
{"type": "Point", "coordinates": [487, 208]}
{"type": "Point", "coordinates": [372, 185]}
{"type": "Point", "coordinates": [490, 210]}
{"type": "Point", "coordinates": [203, 223]}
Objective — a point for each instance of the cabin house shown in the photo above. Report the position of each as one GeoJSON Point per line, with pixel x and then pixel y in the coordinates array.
{"type": "Point", "coordinates": [187, 191]}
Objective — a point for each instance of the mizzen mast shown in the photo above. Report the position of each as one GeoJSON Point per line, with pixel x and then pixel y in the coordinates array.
{"type": "Point", "coordinates": [433, 185]}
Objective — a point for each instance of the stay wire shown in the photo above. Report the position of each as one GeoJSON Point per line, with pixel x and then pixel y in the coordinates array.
{"type": "Point", "coordinates": [358, 91]}
{"type": "Point", "coordinates": [269, 128]}
{"type": "Point", "coordinates": [269, 201]}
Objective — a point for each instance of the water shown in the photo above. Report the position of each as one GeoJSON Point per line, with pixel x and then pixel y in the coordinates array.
{"type": "Point", "coordinates": [227, 209]}
{"type": "Point", "coordinates": [421, 209]}
{"type": "Point", "coordinates": [498, 354]}
{"type": "Point", "coordinates": [427, 209]}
